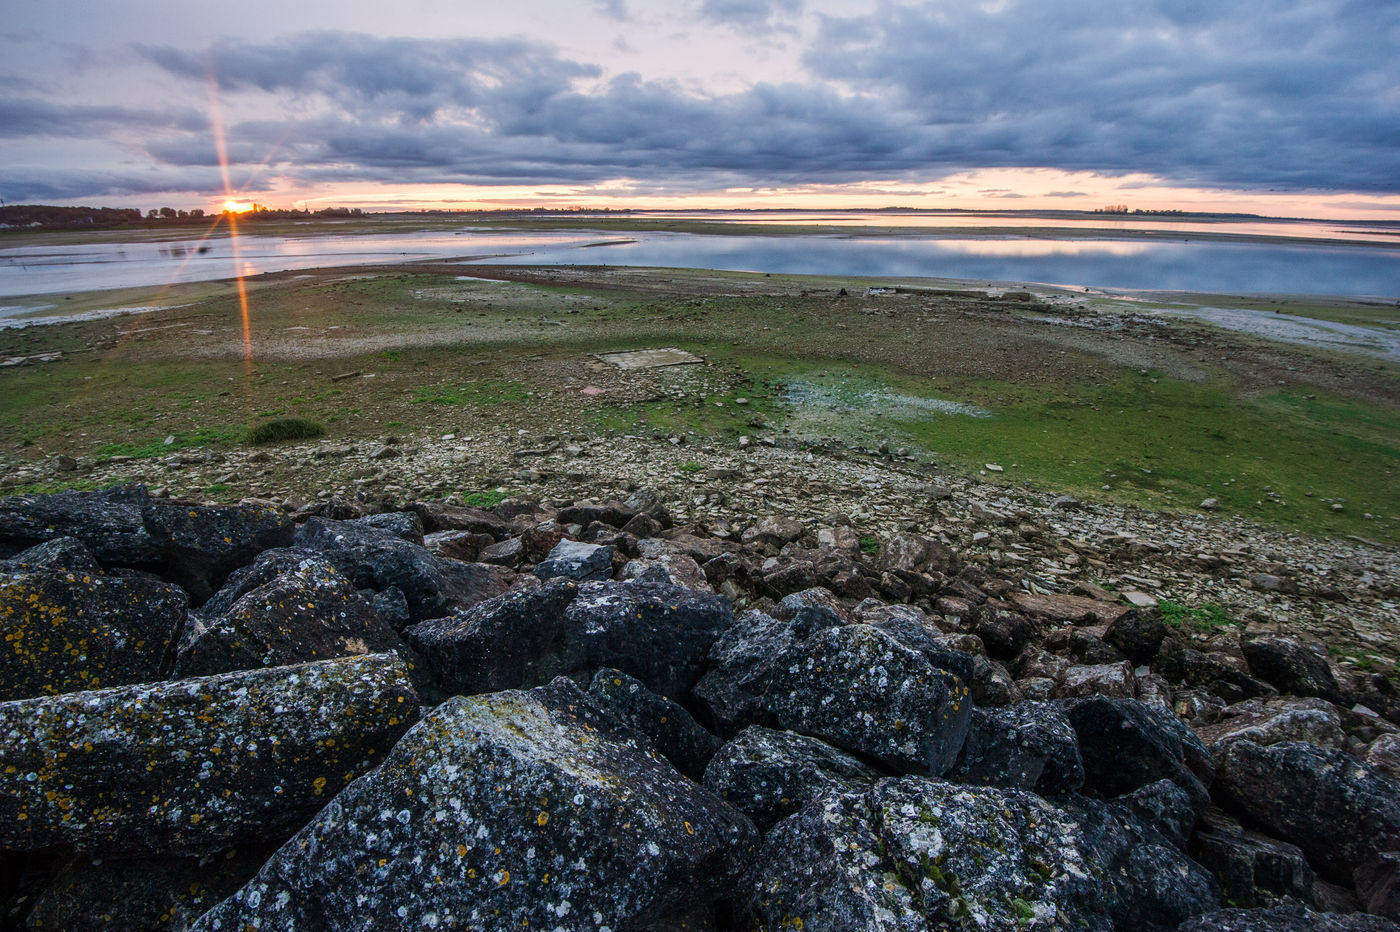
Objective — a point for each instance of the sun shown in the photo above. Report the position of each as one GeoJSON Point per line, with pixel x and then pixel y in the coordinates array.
{"type": "Point", "coordinates": [237, 207]}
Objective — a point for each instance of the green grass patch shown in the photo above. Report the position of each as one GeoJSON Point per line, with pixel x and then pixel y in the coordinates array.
{"type": "Point", "coordinates": [486, 499]}
{"type": "Point", "coordinates": [182, 440]}
{"type": "Point", "coordinates": [280, 431]}
{"type": "Point", "coordinates": [1205, 617]}
{"type": "Point", "coordinates": [870, 545]}
{"type": "Point", "coordinates": [484, 393]}
{"type": "Point", "coordinates": [690, 466]}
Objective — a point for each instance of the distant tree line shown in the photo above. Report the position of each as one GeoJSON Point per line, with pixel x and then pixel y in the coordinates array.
{"type": "Point", "coordinates": [49, 217]}
{"type": "Point", "coordinates": [1123, 209]}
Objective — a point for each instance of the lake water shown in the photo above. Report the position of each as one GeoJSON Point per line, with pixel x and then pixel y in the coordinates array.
{"type": "Point", "coordinates": [1066, 256]}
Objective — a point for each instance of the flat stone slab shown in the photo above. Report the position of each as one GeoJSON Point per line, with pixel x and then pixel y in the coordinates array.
{"type": "Point", "coordinates": [650, 358]}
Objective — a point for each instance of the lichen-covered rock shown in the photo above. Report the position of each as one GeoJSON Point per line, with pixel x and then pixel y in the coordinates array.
{"type": "Point", "coordinates": [70, 631]}
{"type": "Point", "coordinates": [62, 554]}
{"type": "Point", "coordinates": [1030, 746]}
{"type": "Point", "coordinates": [1269, 721]}
{"type": "Point", "coordinates": [1126, 745]}
{"type": "Point", "coordinates": [672, 731]}
{"type": "Point", "coordinates": [104, 893]}
{"type": "Point", "coordinates": [1253, 869]}
{"type": "Point", "coordinates": [919, 854]}
{"type": "Point", "coordinates": [1164, 806]}
{"type": "Point", "coordinates": [1288, 918]}
{"type": "Point", "coordinates": [108, 522]}
{"type": "Point", "coordinates": [194, 765]}
{"type": "Point", "coordinates": [578, 561]}
{"type": "Point", "coordinates": [1291, 665]}
{"type": "Point", "coordinates": [670, 568]}
{"type": "Point", "coordinates": [503, 643]}
{"type": "Point", "coordinates": [202, 544]}
{"type": "Point", "coordinates": [509, 810]}
{"type": "Point", "coordinates": [1101, 679]}
{"type": "Point", "coordinates": [403, 524]}
{"type": "Point", "coordinates": [769, 775]}
{"type": "Point", "coordinates": [660, 634]}
{"type": "Point", "coordinates": [305, 613]}
{"type": "Point", "coordinates": [1340, 812]}
{"type": "Point", "coordinates": [741, 662]}
{"type": "Point", "coordinates": [861, 690]}
{"type": "Point", "coordinates": [375, 559]}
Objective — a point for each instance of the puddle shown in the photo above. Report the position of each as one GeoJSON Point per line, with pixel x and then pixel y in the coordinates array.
{"type": "Point", "coordinates": [845, 398]}
{"type": "Point", "coordinates": [16, 323]}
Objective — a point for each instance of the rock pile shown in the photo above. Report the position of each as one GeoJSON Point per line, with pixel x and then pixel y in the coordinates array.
{"type": "Point", "coordinates": [579, 715]}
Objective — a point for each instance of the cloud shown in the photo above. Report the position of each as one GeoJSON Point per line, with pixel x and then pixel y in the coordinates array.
{"type": "Point", "coordinates": [1281, 94]}
{"type": "Point", "coordinates": [612, 9]}
{"type": "Point", "coordinates": [762, 15]}
{"type": "Point", "coordinates": [1304, 93]}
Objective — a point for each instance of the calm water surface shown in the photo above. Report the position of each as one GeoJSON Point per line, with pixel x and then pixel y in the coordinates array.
{"type": "Point", "coordinates": [1088, 257]}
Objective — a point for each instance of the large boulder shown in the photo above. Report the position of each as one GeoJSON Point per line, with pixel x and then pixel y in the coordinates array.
{"type": "Point", "coordinates": [1270, 721]}
{"type": "Point", "coordinates": [1291, 665]}
{"type": "Point", "coordinates": [376, 559]}
{"type": "Point", "coordinates": [660, 634]}
{"type": "Point", "coordinates": [741, 664]}
{"type": "Point", "coordinates": [1126, 744]}
{"type": "Point", "coordinates": [672, 731]}
{"type": "Point", "coordinates": [1253, 869]}
{"type": "Point", "coordinates": [202, 544]}
{"type": "Point", "coordinates": [195, 765]}
{"type": "Point", "coordinates": [514, 809]}
{"type": "Point", "coordinates": [305, 613]}
{"type": "Point", "coordinates": [62, 554]}
{"type": "Point", "coordinates": [108, 522]}
{"type": "Point", "coordinates": [1340, 812]}
{"type": "Point", "coordinates": [912, 553]}
{"type": "Point", "coordinates": [502, 643]}
{"type": "Point", "coordinates": [861, 690]}
{"type": "Point", "coordinates": [69, 631]}
{"type": "Point", "coordinates": [1030, 746]}
{"type": "Point", "coordinates": [919, 854]}
{"type": "Point", "coordinates": [769, 775]}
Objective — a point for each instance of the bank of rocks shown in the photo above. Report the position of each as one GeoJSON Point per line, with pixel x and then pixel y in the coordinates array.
{"type": "Point", "coordinates": [580, 714]}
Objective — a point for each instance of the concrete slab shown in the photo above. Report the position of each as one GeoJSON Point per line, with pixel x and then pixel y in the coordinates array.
{"type": "Point", "coordinates": [650, 358]}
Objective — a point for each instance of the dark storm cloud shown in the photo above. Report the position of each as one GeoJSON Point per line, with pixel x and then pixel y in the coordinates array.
{"type": "Point", "coordinates": [46, 185]}
{"type": "Point", "coordinates": [34, 117]}
{"type": "Point", "coordinates": [1250, 93]}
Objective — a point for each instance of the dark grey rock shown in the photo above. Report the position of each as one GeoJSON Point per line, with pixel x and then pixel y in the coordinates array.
{"type": "Point", "coordinates": [861, 690]}
{"type": "Point", "coordinates": [1270, 721]}
{"type": "Point", "coordinates": [672, 731]}
{"type": "Point", "coordinates": [440, 516]}
{"type": "Point", "coordinates": [520, 809]}
{"type": "Point", "coordinates": [918, 854]}
{"type": "Point", "coordinates": [391, 605]}
{"type": "Point", "coordinates": [404, 524]}
{"type": "Point", "coordinates": [1030, 746]}
{"type": "Point", "coordinates": [741, 662]}
{"type": "Point", "coordinates": [1288, 918]}
{"type": "Point", "coordinates": [991, 684]}
{"type": "Point", "coordinates": [375, 559]}
{"type": "Point", "coordinates": [1217, 673]}
{"type": "Point", "coordinates": [1006, 634]}
{"type": "Point", "coordinates": [578, 561]}
{"type": "Point", "coordinates": [503, 643]}
{"type": "Point", "coordinates": [307, 612]}
{"type": "Point", "coordinates": [1340, 812]}
{"type": "Point", "coordinates": [508, 552]}
{"type": "Point", "coordinates": [1291, 665]}
{"type": "Point", "coordinates": [769, 775]}
{"type": "Point", "coordinates": [202, 544]}
{"type": "Point", "coordinates": [195, 765]}
{"type": "Point", "coordinates": [1253, 869]}
{"type": "Point", "coordinates": [70, 631]}
{"type": "Point", "coordinates": [62, 554]}
{"type": "Point", "coordinates": [106, 893]}
{"type": "Point", "coordinates": [1164, 806]}
{"type": "Point", "coordinates": [108, 522]}
{"type": "Point", "coordinates": [1127, 744]}
{"type": "Point", "coordinates": [1138, 635]}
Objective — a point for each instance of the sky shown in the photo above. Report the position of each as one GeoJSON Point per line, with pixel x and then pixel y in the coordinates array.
{"type": "Point", "coordinates": [1280, 107]}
